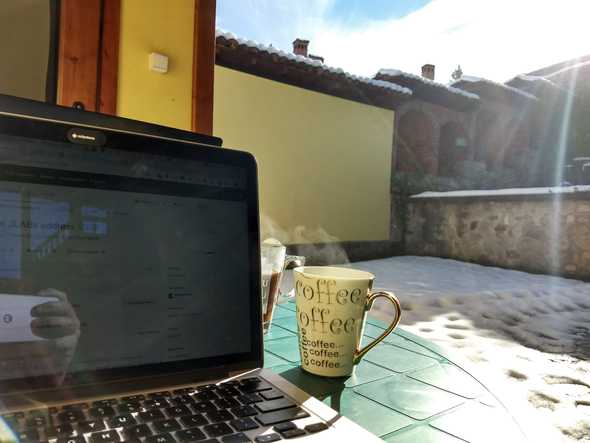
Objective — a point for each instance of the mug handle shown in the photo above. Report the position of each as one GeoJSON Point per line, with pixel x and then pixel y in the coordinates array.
{"type": "Point", "coordinates": [360, 353]}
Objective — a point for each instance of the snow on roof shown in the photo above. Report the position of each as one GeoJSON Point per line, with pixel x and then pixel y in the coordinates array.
{"type": "Point", "coordinates": [472, 79]}
{"type": "Point", "coordinates": [512, 191]}
{"type": "Point", "coordinates": [308, 61]}
{"type": "Point", "coordinates": [567, 68]}
{"type": "Point", "coordinates": [533, 78]}
{"type": "Point", "coordinates": [398, 73]}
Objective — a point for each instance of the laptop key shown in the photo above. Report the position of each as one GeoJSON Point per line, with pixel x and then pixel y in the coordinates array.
{"type": "Point", "coordinates": [254, 386]}
{"type": "Point", "coordinates": [227, 391]}
{"type": "Point", "coordinates": [272, 418]}
{"type": "Point", "coordinates": [103, 403]}
{"type": "Point", "coordinates": [268, 438]}
{"type": "Point", "coordinates": [61, 430]}
{"type": "Point", "coordinates": [138, 431]}
{"type": "Point", "coordinates": [191, 434]}
{"type": "Point", "coordinates": [206, 395]}
{"type": "Point", "coordinates": [161, 438]}
{"type": "Point", "coordinates": [77, 439]}
{"type": "Point", "coordinates": [217, 430]}
{"type": "Point", "coordinates": [105, 437]}
{"type": "Point", "coordinates": [91, 426]}
{"type": "Point", "coordinates": [250, 398]}
{"type": "Point", "coordinates": [158, 402]}
{"type": "Point", "coordinates": [226, 403]}
{"type": "Point", "coordinates": [101, 411]}
{"type": "Point", "coordinates": [218, 416]}
{"type": "Point", "coordinates": [183, 391]}
{"type": "Point", "coordinates": [28, 435]}
{"type": "Point", "coordinates": [244, 411]}
{"type": "Point", "coordinates": [36, 422]}
{"type": "Point", "coordinates": [204, 406]}
{"type": "Point", "coordinates": [166, 425]}
{"type": "Point", "coordinates": [293, 433]}
{"type": "Point", "coordinates": [275, 405]}
{"type": "Point", "coordinates": [250, 380]}
{"type": "Point", "coordinates": [271, 394]}
{"type": "Point", "coordinates": [70, 416]}
{"type": "Point", "coordinates": [129, 407]}
{"type": "Point", "coordinates": [119, 421]}
{"type": "Point", "coordinates": [316, 427]}
{"type": "Point", "coordinates": [151, 415]}
{"type": "Point", "coordinates": [183, 400]}
{"type": "Point", "coordinates": [178, 411]}
{"type": "Point", "coordinates": [193, 420]}
{"type": "Point", "coordinates": [243, 424]}
{"type": "Point", "coordinates": [236, 438]}
{"type": "Point", "coordinates": [282, 427]}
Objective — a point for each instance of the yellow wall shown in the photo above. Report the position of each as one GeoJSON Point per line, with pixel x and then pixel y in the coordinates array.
{"type": "Point", "coordinates": [156, 26]}
{"type": "Point", "coordinates": [24, 33]}
{"type": "Point", "coordinates": [324, 162]}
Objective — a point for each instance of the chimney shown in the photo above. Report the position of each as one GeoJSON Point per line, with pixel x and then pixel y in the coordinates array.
{"type": "Point", "coordinates": [300, 47]}
{"type": "Point", "coordinates": [428, 71]}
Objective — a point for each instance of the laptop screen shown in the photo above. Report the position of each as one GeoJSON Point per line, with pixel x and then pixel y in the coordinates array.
{"type": "Point", "coordinates": [114, 258]}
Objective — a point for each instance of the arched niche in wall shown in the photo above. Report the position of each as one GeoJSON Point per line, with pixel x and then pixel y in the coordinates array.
{"type": "Point", "coordinates": [454, 147]}
{"type": "Point", "coordinates": [489, 138]}
{"type": "Point", "coordinates": [517, 143]}
{"type": "Point", "coordinates": [415, 144]}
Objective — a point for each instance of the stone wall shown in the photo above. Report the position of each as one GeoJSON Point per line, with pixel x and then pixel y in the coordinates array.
{"type": "Point", "coordinates": [544, 233]}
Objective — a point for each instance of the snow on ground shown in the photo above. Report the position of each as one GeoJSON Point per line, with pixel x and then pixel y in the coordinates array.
{"type": "Point", "coordinates": [509, 191]}
{"type": "Point", "coordinates": [526, 336]}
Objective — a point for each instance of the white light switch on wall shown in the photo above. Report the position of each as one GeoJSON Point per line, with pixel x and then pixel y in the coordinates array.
{"type": "Point", "coordinates": [158, 63]}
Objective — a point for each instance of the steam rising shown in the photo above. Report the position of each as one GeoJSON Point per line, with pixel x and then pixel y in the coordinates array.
{"type": "Point", "coordinates": [317, 245]}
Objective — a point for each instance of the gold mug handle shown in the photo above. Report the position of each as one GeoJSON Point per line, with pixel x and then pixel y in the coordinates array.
{"type": "Point", "coordinates": [360, 353]}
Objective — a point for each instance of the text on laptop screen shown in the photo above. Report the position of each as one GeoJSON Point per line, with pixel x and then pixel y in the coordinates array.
{"type": "Point", "coordinates": [111, 259]}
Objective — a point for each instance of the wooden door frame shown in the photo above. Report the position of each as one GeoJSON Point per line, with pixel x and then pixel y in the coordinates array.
{"type": "Point", "coordinates": [88, 59]}
{"type": "Point", "coordinates": [203, 66]}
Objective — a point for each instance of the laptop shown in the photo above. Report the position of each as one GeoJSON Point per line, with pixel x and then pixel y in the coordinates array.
{"type": "Point", "coordinates": [130, 289]}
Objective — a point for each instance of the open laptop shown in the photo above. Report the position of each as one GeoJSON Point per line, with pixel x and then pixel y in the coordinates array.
{"type": "Point", "coordinates": [130, 289]}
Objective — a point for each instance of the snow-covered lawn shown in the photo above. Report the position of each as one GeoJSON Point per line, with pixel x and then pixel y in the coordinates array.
{"type": "Point", "coordinates": [526, 336]}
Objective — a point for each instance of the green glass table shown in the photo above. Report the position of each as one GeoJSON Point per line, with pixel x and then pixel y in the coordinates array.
{"type": "Point", "coordinates": [405, 390]}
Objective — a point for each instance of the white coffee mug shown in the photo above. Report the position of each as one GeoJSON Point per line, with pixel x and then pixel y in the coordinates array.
{"type": "Point", "coordinates": [332, 305]}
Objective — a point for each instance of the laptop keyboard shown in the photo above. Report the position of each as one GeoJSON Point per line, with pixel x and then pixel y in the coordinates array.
{"type": "Point", "coordinates": [210, 414]}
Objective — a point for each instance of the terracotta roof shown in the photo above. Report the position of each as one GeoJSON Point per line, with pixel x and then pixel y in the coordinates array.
{"type": "Point", "coordinates": [430, 90]}
{"type": "Point", "coordinates": [272, 63]}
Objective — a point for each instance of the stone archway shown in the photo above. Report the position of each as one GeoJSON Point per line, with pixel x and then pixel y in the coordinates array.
{"type": "Point", "coordinates": [415, 143]}
{"type": "Point", "coordinates": [453, 147]}
{"type": "Point", "coordinates": [517, 144]}
{"type": "Point", "coordinates": [489, 139]}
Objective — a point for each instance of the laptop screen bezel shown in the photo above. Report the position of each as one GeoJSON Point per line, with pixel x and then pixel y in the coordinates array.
{"type": "Point", "coordinates": [41, 128]}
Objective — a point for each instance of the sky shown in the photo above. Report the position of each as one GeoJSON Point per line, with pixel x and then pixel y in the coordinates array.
{"type": "Point", "coordinates": [495, 39]}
